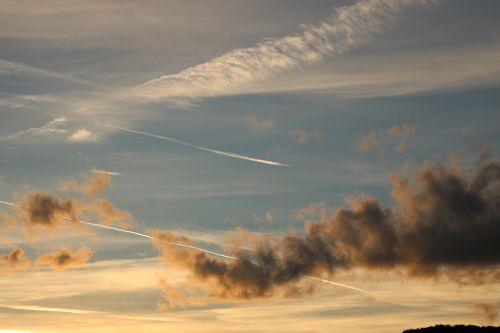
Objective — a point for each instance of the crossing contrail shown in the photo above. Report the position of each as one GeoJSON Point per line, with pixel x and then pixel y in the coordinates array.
{"type": "Point", "coordinates": [214, 151]}
{"type": "Point", "coordinates": [137, 234]}
{"type": "Point", "coordinates": [154, 238]}
{"type": "Point", "coordinates": [188, 246]}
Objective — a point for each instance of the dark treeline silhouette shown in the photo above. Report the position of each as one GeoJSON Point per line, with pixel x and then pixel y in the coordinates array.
{"type": "Point", "coordinates": [455, 329]}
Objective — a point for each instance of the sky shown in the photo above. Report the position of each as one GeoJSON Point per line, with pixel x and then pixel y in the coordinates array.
{"type": "Point", "coordinates": [337, 158]}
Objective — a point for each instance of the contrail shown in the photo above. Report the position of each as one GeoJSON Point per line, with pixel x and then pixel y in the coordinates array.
{"type": "Point", "coordinates": [210, 252]}
{"type": "Point", "coordinates": [189, 246]}
{"type": "Point", "coordinates": [337, 284]}
{"type": "Point", "coordinates": [137, 234]}
{"type": "Point", "coordinates": [218, 152]}
{"type": "Point", "coordinates": [153, 238]}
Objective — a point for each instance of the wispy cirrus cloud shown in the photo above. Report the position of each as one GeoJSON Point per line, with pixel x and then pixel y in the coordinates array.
{"type": "Point", "coordinates": [53, 127]}
{"type": "Point", "coordinates": [10, 68]}
{"type": "Point", "coordinates": [56, 127]}
{"type": "Point", "coordinates": [237, 70]}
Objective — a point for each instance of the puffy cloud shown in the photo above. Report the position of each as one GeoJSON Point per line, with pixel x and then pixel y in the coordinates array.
{"type": "Point", "coordinates": [44, 209]}
{"type": "Point", "coordinates": [173, 296]}
{"type": "Point", "coordinates": [269, 216]}
{"type": "Point", "coordinates": [373, 140]}
{"type": "Point", "coordinates": [93, 184]}
{"type": "Point", "coordinates": [402, 131]}
{"type": "Point", "coordinates": [65, 258]}
{"type": "Point", "coordinates": [445, 223]}
{"type": "Point", "coordinates": [368, 142]}
{"type": "Point", "coordinates": [83, 135]}
{"type": "Point", "coordinates": [259, 123]}
{"type": "Point", "coordinates": [302, 137]}
{"type": "Point", "coordinates": [14, 260]}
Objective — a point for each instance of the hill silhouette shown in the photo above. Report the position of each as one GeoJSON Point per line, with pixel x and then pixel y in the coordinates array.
{"type": "Point", "coordinates": [455, 329]}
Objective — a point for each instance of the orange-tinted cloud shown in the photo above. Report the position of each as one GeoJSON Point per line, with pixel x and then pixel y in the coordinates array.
{"type": "Point", "coordinates": [488, 310]}
{"type": "Point", "coordinates": [65, 258]}
{"type": "Point", "coordinates": [14, 260]}
{"type": "Point", "coordinates": [445, 223]}
{"type": "Point", "coordinates": [93, 184]}
{"type": "Point", "coordinates": [374, 139]}
{"type": "Point", "coordinates": [259, 123]}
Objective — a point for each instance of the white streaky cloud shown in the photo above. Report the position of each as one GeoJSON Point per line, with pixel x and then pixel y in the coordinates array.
{"type": "Point", "coordinates": [83, 135]}
{"type": "Point", "coordinates": [52, 127]}
{"type": "Point", "coordinates": [237, 70]}
{"type": "Point", "coordinates": [218, 152]}
{"type": "Point", "coordinates": [45, 309]}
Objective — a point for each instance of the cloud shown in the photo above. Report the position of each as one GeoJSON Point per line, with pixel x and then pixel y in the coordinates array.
{"type": "Point", "coordinates": [173, 296]}
{"type": "Point", "coordinates": [107, 212]}
{"type": "Point", "coordinates": [60, 259]}
{"type": "Point", "coordinates": [42, 209]}
{"type": "Point", "coordinates": [52, 127]}
{"type": "Point", "coordinates": [232, 72]}
{"type": "Point", "coordinates": [94, 183]}
{"type": "Point", "coordinates": [368, 142]}
{"type": "Point", "coordinates": [83, 135]}
{"type": "Point", "coordinates": [373, 140]}
{"type": "Point", "coordinates": [444, 224]}
{"type": "Point", "coordinates": [65, 258]}
{"type": "Point", "coordinates": [10, 68]}
{"type": "Point", "coordinates": [488, 310]}
{"type": "Point", "coordinates": [14, 260]}
{"type": "Point", "coordinates": [302, 137]}
{"type": "Point", "coordinates": [318, 211]}
{"type": "Point", "coordinates": [269, 216]}
{"type": "Point", "coordinates": [259, 123]}
{"type": "Point", "coordinates": [402, 131]}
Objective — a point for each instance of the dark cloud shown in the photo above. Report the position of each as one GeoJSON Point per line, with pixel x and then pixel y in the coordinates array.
{"type": "Point", "coordinates": [445, 222]}
{"type": "Point", "coordinates": [44, 209]}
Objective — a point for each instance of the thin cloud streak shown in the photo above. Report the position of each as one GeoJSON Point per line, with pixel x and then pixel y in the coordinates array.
{"type": "Point", "coordinates": [218, 152]}
{"type": "Point", "coordinates": [52, 127]}
{"type": "Point", "coordinates": [14, 68]}
{"type": "Point", "coordinates": [234, 71]}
